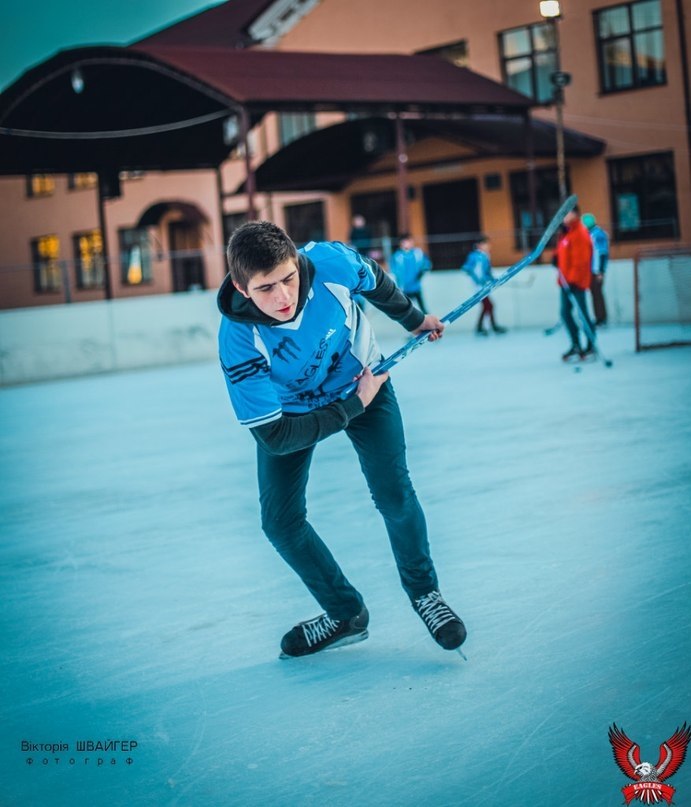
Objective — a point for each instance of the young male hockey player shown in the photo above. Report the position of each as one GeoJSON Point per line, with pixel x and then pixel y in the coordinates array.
{"type": "Point", "coordinates": [292, 341]}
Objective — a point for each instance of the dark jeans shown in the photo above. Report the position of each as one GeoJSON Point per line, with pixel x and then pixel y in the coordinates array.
{"type": "Point", "coordinates": [377, 436]}
{"type": "Point", "coordinates": [568, 318]}
{"type": "Point", "coordinates": [599, 305]}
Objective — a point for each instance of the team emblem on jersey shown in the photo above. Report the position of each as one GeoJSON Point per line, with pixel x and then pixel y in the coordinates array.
{"type": "Point", "coordinates": [286, 348]}
{"type": "Point", "coordinates": [649, 787]}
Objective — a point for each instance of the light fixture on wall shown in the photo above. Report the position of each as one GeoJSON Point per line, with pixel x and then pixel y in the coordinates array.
{"type": "Point", "coordinates": [550, 9]}
{"type": "Point", "coordinates": [77, 80]}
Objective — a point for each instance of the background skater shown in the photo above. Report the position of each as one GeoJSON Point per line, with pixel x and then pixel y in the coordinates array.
{"type": "Point", "coordinates": [479, 266]}
{"type": "Point", "coordinates": [408, 264]}
{"type": "Point", "coordinates": [573, 258]}
{"type": "Point", "coordinates": [291, 342]}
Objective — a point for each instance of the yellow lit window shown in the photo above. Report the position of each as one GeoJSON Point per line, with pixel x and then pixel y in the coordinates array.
{"type": "Point", "coordinates": [83, 181]}
{"type": "Point", "coordinates": [40, 185]}
{"type": "Point", "coordinates": [88, 254]}
{"type": "Point", "coordinates": [45, 252]}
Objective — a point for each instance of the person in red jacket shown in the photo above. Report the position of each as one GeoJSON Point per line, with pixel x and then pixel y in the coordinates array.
{"type": "Point", "coordinates": [574, 261]}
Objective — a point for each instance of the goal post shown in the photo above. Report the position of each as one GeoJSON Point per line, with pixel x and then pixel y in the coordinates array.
{"type": "Point", "coordinates": [662, 297]}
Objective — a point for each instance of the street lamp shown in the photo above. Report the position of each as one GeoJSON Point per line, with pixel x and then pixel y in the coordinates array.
{"type": "Point", "coordinates": [550, 11]}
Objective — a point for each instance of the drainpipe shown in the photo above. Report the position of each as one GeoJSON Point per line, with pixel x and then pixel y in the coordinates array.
{"type": "Point", "coordinates": [530, 163]}
{"type": "Point", "coordinates": [250, 181]}
{"type": "Point", "coordinates": [402, 177]}
{"type": "Point", "coordinates": [686, 80]}
{"type": "Point", "coordinates": [107, 279]}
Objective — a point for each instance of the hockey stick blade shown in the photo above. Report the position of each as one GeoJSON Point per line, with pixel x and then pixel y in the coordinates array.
{"type": "Point", "coordinates": [414, 343]}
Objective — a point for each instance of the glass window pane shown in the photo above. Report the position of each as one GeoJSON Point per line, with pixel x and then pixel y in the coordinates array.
{"type": "Point", "coordinates": [516, 43]}
{"type": "Point", "coordinates": [650, 57]}
{"type": "Point", "coordinates": [646, 15]}
{"type": "Point", "coordinates": [519, 75]}
{"type": "Point", "coordinates": [545, 65]}
{"type": "Point", "coordinates": [617, 64]}
{"type": "Point", "coordinates": [614, 21]}
{"type": "Point", "coordinates": [543, 37]}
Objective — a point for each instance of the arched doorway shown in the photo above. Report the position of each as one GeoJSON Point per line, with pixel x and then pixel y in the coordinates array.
{"type": "Point", "coordinates": [183, 225]}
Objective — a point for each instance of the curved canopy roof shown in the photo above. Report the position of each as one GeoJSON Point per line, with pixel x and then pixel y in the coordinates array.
{"type": "Point", "coordinates": [161, 107]}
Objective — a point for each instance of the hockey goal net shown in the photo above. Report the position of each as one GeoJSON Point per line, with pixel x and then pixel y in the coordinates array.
{"type": "Point", "coordinates": [662, 296]}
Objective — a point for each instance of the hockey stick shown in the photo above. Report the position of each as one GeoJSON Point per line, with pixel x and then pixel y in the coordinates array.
{"type": "Point", "coordinates": [480, 294]}
{"type": "Point", "coordinates": [585, 324]}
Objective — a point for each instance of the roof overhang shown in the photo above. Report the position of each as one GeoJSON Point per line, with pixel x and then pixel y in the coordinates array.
{"type": "Point", "coordinates": [156, 107]}
{"type": "Point", "coordinates": [328, 159]}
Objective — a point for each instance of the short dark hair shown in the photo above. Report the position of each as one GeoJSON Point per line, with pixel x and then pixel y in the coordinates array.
{"type": "Point", "coordinates": [481, 239]}
{"type": "Point", "coordinates": [257, 246]}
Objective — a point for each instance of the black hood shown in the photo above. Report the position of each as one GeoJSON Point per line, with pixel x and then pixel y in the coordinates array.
{"type": "Point", "coordinates": [239, 308]}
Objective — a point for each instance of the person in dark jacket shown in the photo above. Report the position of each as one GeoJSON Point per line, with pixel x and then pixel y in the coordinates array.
{"type": "Point", "coordinates": [292, 344]}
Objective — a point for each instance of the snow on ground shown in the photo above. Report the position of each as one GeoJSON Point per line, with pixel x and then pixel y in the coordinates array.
{"type": "Point", "coordinates": [142, 603]}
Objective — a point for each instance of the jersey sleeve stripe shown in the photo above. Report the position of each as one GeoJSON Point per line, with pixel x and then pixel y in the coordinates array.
{"type": "Point", "coordinates": [262, 419]}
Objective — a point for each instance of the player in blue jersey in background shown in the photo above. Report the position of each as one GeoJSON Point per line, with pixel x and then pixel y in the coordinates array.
{"type": "Point", "coordinates": [479, 266]}
{"type": "Point", "coordinates": [408, 264]}
{"type": "Point", "coordinates": [292, 341]}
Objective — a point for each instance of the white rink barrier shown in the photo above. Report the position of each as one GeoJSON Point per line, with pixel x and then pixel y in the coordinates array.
{"type": "Point", "coordinates": [49, 342]}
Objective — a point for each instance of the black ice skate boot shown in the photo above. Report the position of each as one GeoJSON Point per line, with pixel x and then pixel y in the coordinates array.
{"type": "Point", "coordinates": [446, 627]}
{"type": "Point", "coordinates": [322, 632]}
{"type": "Point", "coordinates": [572, 354]}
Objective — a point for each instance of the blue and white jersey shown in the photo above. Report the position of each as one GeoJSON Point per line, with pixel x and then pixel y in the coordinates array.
{"type": "Point", "coordinates": [408, 267]}
{"type": "Point", "coordinates": [478, 266]}
{"type": "Point", "coordinates": [294, 367]}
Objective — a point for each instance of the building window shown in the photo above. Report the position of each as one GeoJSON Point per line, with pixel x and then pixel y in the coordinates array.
{"type": "Point", "coordinates": [83, 181]}
{"type": "Point", "coordinates": [88, 258]}
{"type": "Point", "coordinates": [135, 256]}
{"type": "Point", "coordinates": [454, 52]}
{"type": "Point", "coordinates": [293, 125]}
{"type": "Point", "coordinates": [546, 204]}
{"type": "Point", "coordinates": [231, 221]}
{"type": "Point", "coordinates": [38, 185]}
{"type": "Point", "coordinates": [305, 222]}
{"type": "Point", "coordinates": [644, 197]}
{"type": "Point", "coordinates": [528, 59]}
{"type": "Point", "coordinates": [45, 252]}
{"type": "Point", "coordinates": [630, 46]}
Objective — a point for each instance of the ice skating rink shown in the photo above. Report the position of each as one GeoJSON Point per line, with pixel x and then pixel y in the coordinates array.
{"type": "Point", "coordinates": [141, 603]}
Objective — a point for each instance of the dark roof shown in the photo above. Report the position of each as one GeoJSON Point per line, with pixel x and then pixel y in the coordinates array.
{"type": "Point", "coordinates": [224, 26]}
{"type": "Point", "coordinates": [281, 79]}
{"type": "Point", "coordinates": [330, 158]}
{"type": "Point", "coordinates": [148, 91]}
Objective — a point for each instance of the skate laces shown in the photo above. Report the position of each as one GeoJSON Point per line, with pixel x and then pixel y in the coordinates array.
{"type": "Point", "coordinates": [434, 611]}
{"type": "Point", "coordinates": [316, 630]}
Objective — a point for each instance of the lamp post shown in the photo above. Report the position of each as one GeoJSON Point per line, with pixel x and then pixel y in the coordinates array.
{"type": "Point", "coordinates": [550, 10]}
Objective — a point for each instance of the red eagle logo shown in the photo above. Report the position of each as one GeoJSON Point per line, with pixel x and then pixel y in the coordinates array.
{"type": "Point", "coordinates": [649, 787]}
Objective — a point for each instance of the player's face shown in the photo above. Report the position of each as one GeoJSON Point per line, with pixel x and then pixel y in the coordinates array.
{"type": "Point", "coordinates": [276, 292]}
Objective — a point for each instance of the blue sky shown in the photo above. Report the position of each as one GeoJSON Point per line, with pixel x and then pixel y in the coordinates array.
{"type": "Point", "coordinates": [33, 30]}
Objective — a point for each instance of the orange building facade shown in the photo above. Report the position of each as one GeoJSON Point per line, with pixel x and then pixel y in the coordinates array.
{"type": "Point", "coordinates": [165, 231]}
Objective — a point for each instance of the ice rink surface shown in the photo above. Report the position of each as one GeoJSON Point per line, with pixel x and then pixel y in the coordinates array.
{"type": "Point", "coordinates": [142, 603]}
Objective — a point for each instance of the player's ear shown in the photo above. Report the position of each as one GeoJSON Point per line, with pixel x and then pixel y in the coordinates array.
{"type": "Point", "coordinates": [241, 290]}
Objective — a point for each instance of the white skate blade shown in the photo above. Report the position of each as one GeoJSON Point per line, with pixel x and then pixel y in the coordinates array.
{"type": "Point", "coordinates": [461, 654]}
{"type": "Point", "coordinates": [346, 640]}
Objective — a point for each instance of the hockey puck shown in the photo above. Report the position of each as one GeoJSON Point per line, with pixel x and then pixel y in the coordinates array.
{"type": "Point", "coordinates": [577, 369]}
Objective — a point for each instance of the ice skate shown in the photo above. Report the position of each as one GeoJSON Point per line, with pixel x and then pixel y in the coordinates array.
{"type": "Point", "coordinates": [322, 632]}
{"type": "Point", "coordinates": [446, 627]}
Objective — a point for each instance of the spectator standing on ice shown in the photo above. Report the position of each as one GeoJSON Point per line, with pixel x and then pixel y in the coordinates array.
{"type": "Point", "coordinates": [292, 342]}
{"type": "Point", "coordinates": [478, 265]}
{"type": "Point", "coordinates": [408, 264]}
{"type": "Point", "coordinates": [600, 242]}
{"type": "Point", "coordinates": [574, 261]}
